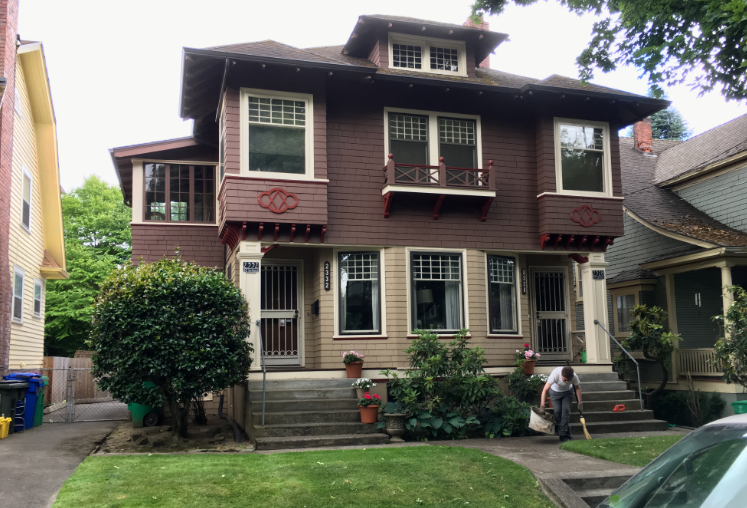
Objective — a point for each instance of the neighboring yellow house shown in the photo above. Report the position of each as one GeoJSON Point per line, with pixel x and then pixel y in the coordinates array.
{"type": "Point", "coordinates": [36, 248]}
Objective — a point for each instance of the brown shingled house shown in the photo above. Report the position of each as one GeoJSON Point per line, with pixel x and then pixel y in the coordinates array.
{"type": "Point", "coordinates": [357, 193]}
{"type": "Point", "coordinates": [685, 239]}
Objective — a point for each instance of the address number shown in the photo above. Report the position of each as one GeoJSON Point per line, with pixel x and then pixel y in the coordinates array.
{"type": "Point", "coordinates": [597, 274]}
{"type": "Point", "coordinates": [250, 267]}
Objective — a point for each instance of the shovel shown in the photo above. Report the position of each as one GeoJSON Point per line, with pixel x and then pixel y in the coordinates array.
{"type": "Point", "coordinates": [583, 424]}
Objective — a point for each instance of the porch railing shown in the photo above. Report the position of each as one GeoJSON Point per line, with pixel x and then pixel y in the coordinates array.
{"type": "Point", "coordinates": [637, 367]}
{"type": "Point", "coordinates": [699, 362]}
{"type": "Point", "coordinates": [264, 369]}
{"type": "Point", "coordinates": [439, 176]}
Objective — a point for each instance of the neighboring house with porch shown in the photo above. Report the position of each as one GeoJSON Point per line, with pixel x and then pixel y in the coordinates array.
{"type": "Point", "coordinates": [685, 239]}
{"type": "Point", "coordinates": [356, 193]}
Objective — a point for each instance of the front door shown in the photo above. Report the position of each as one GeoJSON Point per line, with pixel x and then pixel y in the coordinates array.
{"type": "Point", "coordinates": [281, 312]}
{"type": "Point", "coordinates": [551, 313]}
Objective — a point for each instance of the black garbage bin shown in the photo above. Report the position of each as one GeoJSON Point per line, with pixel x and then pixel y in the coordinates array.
{"type": "Point", "coordinates": [10, 392]}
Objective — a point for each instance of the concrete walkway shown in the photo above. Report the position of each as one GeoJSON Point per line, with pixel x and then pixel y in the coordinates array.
{"type": "Point", "coordinates": [34, 464]}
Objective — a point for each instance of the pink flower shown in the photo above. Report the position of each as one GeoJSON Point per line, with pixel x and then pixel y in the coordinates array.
{"type": "Point", "coordinates": [537, 355]}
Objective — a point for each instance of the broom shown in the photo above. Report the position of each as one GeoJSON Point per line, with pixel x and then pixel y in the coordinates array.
{"type": "Point", "coordinates": [583, 424]}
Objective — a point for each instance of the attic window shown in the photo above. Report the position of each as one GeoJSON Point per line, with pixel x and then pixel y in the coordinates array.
{"type": "Point", "coordinates": [444, 59]}
{"type": "Point", "coordinates": [405, 56]}
{"type": "Point", "coordinates": [420, 54]}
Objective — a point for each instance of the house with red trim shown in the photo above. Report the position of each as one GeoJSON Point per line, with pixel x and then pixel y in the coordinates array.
{"type": "Point", "coordinates": [397, 182]}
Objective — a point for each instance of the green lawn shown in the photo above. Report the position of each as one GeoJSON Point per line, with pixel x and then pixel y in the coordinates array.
{"type": "Point", "coordinates": [376, 477]}
{"type": "Point", "coordinates": [634, 451]}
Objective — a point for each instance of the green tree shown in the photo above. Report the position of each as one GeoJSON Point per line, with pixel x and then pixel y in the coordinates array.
{"type": "Point", "coordinates": [701, 43]}
{"type": "Point", "coordinates": [180, 326]}
{"type": "Point", "coordinates": [666, 124]}
{"type": "Point", "coordinates": [97, 239]}
{"type": "Point", "coordinates": [731, 349]}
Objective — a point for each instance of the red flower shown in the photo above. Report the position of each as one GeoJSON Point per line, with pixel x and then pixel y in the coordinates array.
{"type": "Point", "coordinates": [376, 396]}
{"type": "Point", "coordinates": [526, 345]}
{"type": "Point", "coordinates": [367, 395]}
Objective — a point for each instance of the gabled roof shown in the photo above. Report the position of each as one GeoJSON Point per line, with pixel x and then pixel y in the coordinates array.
{"type": "Point", "coordinates": [634, 274]}
{"type": "Point", "coordinates": [662, 208]}
{"type": "Point", "coordinates": [702, 151]}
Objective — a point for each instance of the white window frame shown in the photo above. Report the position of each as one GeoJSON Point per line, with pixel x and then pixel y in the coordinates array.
{"type": "Point", "coordinates": [425, 57]}
{"type": "Point", "coordinates": [517, 294]}
{"type": "Point", "coordinates": [433, 138]}
{"type": "Point", "coordinates": [606, 158]}
{"type": "Point", "coordinates": [335, 285]}
{"type": "Point", "coordinates": [27, 174]}
{"type": "Point", "coordinates": [244, 133]}
{"type": "Point", "coordinates": [17, 270]}
{"type": "Point", "coordinates": [222, 126]}
{"type": "Point", "coordinates": [465, 286]}
{"type": "Point", "coordinates": [17, 104]}
{"type": "Point", "coordinates": [40, 284]}
{"type": "Point", "coordinates": [622, 292]}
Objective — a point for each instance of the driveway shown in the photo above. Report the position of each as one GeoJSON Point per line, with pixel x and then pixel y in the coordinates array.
{"type": "Point", "coordinates": [34, 464]}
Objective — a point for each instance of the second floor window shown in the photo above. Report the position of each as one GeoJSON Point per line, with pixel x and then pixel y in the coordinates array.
{"type": "Point", "coordinates": [582, 159]}
{"type": "Point", "coordinates": [19, 277]}
{"type": "Point", "coordinates": [421, 54]}
{"type": "Point", "coordinates": [38, 288]}
{"type": "Point", "coordinates": [179, 192]}
{"type": "Point", "coordinates": [360, 296]}
{"type": "Point", "coordinates": [457, 143]}
{"type": "Point", "coordinates": [408, 138]}
{"type": "Point", "coordinates": [26, 201]}
{"type": "Point", "coordinates": [277, 135]}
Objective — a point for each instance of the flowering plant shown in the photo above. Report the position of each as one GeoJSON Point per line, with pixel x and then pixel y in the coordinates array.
{"type": "Point", "coordinates": [369, 400]}
{"type": "Point", "coordinates": [526, 354]}
{"type": "Point", "coordinates": [363, 383]}
{"type": "Point", "coordinates": [351, 357]}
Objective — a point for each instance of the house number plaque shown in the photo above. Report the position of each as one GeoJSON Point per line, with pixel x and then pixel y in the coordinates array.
{"type": "Point", "coordinates": [597, 274]}
{"type": "Point", "coordinates": [250, 267]}
{"type": "Point", "coordinates": [523, 281]}
{"type": "Point", "coordinates": [326, 275]}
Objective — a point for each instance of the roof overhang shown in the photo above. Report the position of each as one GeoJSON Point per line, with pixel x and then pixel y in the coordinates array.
{"type": "Point", "coordinates": [702, 171]}
{"type": "Point", "coordinates": [642, 283]}
{"type": "Point", "coordinates": [717, 257]}
{"type": "Point", "coordinates": [668, 233]}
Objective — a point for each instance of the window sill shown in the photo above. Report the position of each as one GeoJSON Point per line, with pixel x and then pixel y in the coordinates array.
{"type": "Point", "coordinates": [580, 194]}
{"type": "Point", "coordinates": [440, 336]}
{"type": "Point", "coordinates": [360, 337]}
{"type": "Point", "coordinates": [172, 223]}
{"type": "Point", "coordinates": [505, 336]}
{"type": "Point", "coordinates": [276, 177]}
{"type": "Point", "coordinates": [17, 321]}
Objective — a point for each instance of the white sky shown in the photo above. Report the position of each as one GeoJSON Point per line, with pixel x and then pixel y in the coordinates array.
{"type": "Point", "coordinates": [115, 66]}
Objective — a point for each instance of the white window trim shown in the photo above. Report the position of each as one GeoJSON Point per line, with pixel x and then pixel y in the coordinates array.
{"type": "Point", "coordinates": [17, 104]}
{"type": "Point", "coordinates": [27, 173]}
{"type": "Point", "coordinates": [433, 139]}
{"type": "Point", "coordinates": [17, 270]}
{"type": "Point", "coordinates": [425, 57]}
{"type": "Point", "coordinates": [465, 285]}
{"type": "Point", "coordinates": [578, 281]}
{"type": "Point", "coordinates": [622, 292]}
{"type": "Point", "coordinates": [244, 133]}
{"type": "Point", "coordinates": [40, 283]}
{"type": "Point", "coordinates": [333, 282]}
{"type": "Point", "coordinates": [606, 159]}
{"type": "Point", "coordinates": [517, 283]}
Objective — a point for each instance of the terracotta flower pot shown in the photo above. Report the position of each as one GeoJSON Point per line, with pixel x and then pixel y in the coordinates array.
{"type": "Point", "coordinates": [359, 392]}
{"type": "Point", "coordinates": [395, 426]}
{"type": "Point", "coordinates": [369, 414]}
{"type": "Point", "coordinates": [529, 367]}
{"type": "Point", "coordinates": [354, 369]}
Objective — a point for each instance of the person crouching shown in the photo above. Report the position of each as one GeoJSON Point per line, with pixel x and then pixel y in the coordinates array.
{"type": "Point", "coordinates": [560, 384]}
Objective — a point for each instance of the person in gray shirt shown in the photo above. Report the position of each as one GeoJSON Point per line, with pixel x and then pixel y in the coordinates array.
{"type": "Point", "coordinates": [560, 384]}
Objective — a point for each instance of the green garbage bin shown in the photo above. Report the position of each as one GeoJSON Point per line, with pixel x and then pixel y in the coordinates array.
{"type": "Point", "coordinates": [10, 392]}
{"type": "Point", "coordinates": [145, 416]}
{"type": "Point", "coordinates": [740, 407]}
{"type": "Point", "coordinates": [39, 413]}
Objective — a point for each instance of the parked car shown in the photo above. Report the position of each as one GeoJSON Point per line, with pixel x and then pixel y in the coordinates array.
{"type": "Point", "coordinates": [706, 469]}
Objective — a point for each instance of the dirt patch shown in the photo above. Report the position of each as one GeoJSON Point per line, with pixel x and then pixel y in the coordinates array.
{"type": "Point", "coordinates": [216, 436]}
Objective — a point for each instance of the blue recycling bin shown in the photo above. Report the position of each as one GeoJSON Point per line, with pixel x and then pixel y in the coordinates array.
{"type": "Point", "coordinates": [36, 385]}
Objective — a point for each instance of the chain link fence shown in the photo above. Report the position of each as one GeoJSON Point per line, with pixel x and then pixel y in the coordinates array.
{"type": "Point", "coordinates": [73, 396]}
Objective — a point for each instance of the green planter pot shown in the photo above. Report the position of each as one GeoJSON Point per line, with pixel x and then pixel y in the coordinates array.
{"type": "Point", "coordinates": [583, 356]}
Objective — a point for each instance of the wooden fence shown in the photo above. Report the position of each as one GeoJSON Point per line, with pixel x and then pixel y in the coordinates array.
{"type": "Point", "coordinates": [85, 387]}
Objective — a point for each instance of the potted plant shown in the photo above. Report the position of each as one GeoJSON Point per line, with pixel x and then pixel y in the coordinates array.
{"type": "Point", "coordinates": [394, 421]}
{"type": "Point", "coordinates": [526, 358]}
{"type": "Point", "coordinates": [369, 407]}
{"type": "Point", "coordinates": [362, 385]}
{"type": "Point", "coordinates": [353, 364]}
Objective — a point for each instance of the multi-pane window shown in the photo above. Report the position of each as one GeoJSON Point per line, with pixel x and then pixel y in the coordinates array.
{"type": "Point", "coordinates": [625, 304]}
{"type": "Point", "coordinates": [26, 201]}
{"type": "Point", "coordinates": [222, 146]}
{"type": "Point", "coordinates": [582, 157]}
{"type": "Point", "coordinates": [457, 143]}
{"type": "Point", "coordinates": [18, 281]}
{"type": "Point", "coordinates": [38, 297]}
{"type": "Point", "coordinates": [408, 138]}
{"type": "Point", "coordinates": [502, 294]}
{"type": "Point", "coordinates": [436, 292]}
{"type": "Point", "coordinates": [179, 192]}
{"type": "Point", "coordinates": [405, 56]}
{"type": "Point", "coordinates": [277, 135]}
{"type": "Point", "coordinates": [360, 300]}
{"type": "Point", "coordinates": [444, 59]}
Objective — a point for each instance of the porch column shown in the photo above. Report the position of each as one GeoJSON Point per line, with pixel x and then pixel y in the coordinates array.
{"type": "Point", "coordinates": [726, 296]}
{"type": "Point", "coordinates": [595, 307]}
{"type": "Point", "coordinates": [672, 322]}
{"type": "Point", "coordinates": [250, 279]}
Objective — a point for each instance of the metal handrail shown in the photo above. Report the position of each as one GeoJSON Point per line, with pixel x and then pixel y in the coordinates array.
{"type": "Point", "coordinates": [637, 368]}
{"type": "Point", "coordinates": [264, 368]}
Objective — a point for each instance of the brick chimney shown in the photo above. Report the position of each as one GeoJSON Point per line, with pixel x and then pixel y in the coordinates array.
{"type": "Point", "coordinates": [642, 137]}
{"type": "Point", "coordinates": [483, 25]}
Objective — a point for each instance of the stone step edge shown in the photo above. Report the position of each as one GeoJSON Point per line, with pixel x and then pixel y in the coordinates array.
{"type": "Point", "coordinates": [283, 439]}
{"type": "Point", "coordinates": [305, 425]}
{"type": "Point", "coordinates": [267, 413]}
{"type": "Point", "coordinates": [635, 422]}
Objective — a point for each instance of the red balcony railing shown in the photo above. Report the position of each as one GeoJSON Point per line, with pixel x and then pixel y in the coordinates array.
{"type": "Point", "coordinates": [439, 176]}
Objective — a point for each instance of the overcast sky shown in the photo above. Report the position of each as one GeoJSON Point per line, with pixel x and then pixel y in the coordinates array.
{"type": "Point", "coordinates": [115, 66]}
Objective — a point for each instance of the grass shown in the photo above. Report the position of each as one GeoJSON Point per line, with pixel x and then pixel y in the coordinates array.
{"type": "Point", "coordinates": [375, 477]}
{"type": "Point", "coordinates": [633, 451]}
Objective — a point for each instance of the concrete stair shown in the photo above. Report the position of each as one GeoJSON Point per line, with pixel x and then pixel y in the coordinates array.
{"type": "Point", "coordinates": [306, 413]}
{"type": "Point", "coordinates": [594, 490]}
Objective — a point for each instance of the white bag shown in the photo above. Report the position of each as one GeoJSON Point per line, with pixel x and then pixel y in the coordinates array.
{"type": "Point", "coordinates": [539, 423]}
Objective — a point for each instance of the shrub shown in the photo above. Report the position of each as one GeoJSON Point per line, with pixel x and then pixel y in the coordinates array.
{"type": "Point", "coordinates": [508, 417]}
{"type": "Point", "coordinates": [731, 349]}
{"type": "Point", "coordinates": [525, 388]}
{"type": "Point", "coordinates": [672, 406]}
{"type": "Point", "coordinates": [180, 326]}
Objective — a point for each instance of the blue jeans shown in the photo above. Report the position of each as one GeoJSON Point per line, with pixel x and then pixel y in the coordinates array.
{"type": "Point", "coordinates": [561, 404]}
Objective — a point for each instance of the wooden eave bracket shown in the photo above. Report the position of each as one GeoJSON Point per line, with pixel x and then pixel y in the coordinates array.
{"type": "Point", "coordinates": [388, 197]}
{"type": "Point", "coordinates": [437, 207]}
{"type": "Point", "coordinates": [486, 208]}
{"type": "Point", "coordinates": [578, 258]}
{"type": "Point", "coordinates": [591, 243]}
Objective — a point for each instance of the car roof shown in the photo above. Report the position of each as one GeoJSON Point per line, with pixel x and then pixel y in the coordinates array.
{"type": "Point", "coordinates": [731, 420]}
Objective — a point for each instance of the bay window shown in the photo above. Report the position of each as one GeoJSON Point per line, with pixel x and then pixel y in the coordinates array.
{"type": "Point", "coordinates": [437, 292]}
{"type": "Point", "coordinates": [360, 295]}
{"type": "Point", "coordinates": [502, 294]}
{"type": "Point", "coordinates": [179, 192]}
{"type": "Point", "coordinates": [582, 157]}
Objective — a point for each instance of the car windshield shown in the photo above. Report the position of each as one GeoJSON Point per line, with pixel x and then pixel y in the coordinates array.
{"type": "Point", "coordinates": [706, 469]}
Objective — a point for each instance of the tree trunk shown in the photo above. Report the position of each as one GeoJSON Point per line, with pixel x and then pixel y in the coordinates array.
{"type": "Point", "coordinates": [181, 416]}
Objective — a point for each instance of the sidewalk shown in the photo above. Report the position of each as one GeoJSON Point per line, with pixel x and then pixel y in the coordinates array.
{"type": "Point", "coordinates": [34, 464]}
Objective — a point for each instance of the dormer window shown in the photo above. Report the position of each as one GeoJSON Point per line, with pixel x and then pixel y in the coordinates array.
{"type": "Point", "coordinates": [422, 54]}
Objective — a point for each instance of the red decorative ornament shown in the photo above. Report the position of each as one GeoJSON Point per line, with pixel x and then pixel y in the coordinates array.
{"type": "Point", "coordinates": [585, 215]}
{"type": "Point", "coordinates": [277, 200]}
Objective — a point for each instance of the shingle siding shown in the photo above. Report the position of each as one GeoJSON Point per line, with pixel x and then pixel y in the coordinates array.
{"type": "Point", "coordinates": [694, 322]}
{"type": "Point", "coordinates": [721, 197]}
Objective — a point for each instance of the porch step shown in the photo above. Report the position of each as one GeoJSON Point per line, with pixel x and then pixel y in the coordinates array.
{"type": "Point", "coordinates": [614, 395]}
{"type": "Point", "coordinates": [614, 426]}
{"type": "Point", "coordinates": [299, 417]}
{"type": "Point", "coordinates": [605, 405]}
{"type": "Point", "coordinates": [313, 429]}
{"type": "Point", "coordinates": [310, 393]}
{"type": "Point", "coordinates": [603, 386]}
{"type": "Point", "coordinates": [300, 384]}
{"type": "Point", "coordinates": [593, 497]}
{"type": "Point", "coordinates": [597, 376]}
{"type": "Point", "coordinates": [609, 416]}
{"type": "Point", "coordinates": [286, 405]}
{"type": "Point", "coordinates": [594, 490]}
{"type": "Point", "coordinates": [283, 443]}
